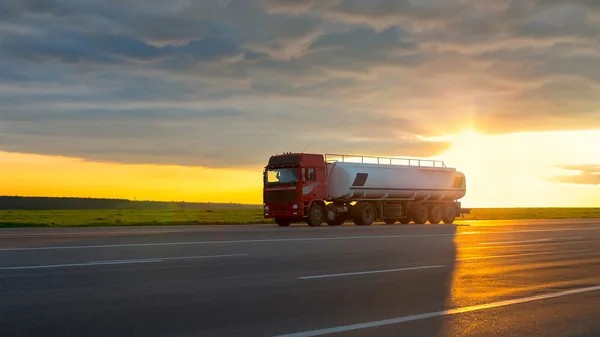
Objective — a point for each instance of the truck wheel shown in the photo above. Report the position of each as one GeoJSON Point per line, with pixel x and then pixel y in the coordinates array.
{"type": "Point", "coordinates": [315, 215]}
{"type": "Point", "coordinates": [283, 222]}
{"type": "Point", "coordinates": [389, 221]}
{"type": "Point", "coordinates": [449, 214]}
{"type": "Point", "coordinates": [419, 214]}
{"type": "Point", "coordinates": [365, 215]}
{"type": "Point", "coordinates": [435, 214]}
{"type": "Point", "coordinates": [405, 221]}
{"type": "Point", "coordinates": [338, 221]}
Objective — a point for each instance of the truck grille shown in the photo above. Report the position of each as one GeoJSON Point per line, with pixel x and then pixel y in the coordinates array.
{"type": "Point", "coordinates": [280, 196]}
{"type": "Point", "coordinates": [279, 207]}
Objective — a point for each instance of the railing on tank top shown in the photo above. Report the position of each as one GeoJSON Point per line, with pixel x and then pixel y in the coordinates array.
{"type": "Point", "coordinates": [346, 158]}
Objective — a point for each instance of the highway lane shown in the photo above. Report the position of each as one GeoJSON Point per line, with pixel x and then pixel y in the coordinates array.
{"type": "Point", "coordinates": [267, 281]}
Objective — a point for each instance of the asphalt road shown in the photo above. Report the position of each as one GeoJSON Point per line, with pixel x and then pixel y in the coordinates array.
{"type": "Point", "coordinates": [492, 278]}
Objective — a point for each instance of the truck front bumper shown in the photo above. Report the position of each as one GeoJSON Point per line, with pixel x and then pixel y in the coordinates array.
{"type": "Point", "coordinates": [282, 211]}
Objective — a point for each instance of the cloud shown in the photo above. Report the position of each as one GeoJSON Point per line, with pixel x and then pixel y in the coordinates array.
{"type": "Point", "coordinates": [360, 43]}
{"type": "Point", "coordinates": [555, 104]}
{"type": "Point", "coordinates": [588, 174]}
{"type": "Point", "coordinates": [112, 49]}
{"type": "Point", "coordinates": [228, 82]}
{"type": "Point", "coordinates": [288, 5]}
{"type": "Point", "coordinates": [217, 138]}
{"type": "Point", "coordinates": [388, 11]}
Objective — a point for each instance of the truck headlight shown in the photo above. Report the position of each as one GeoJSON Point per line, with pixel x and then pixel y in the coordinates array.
{"type": "Point", "coordinates": [294, 206]}
{"type": "Point", "coordinates": [266, 208]}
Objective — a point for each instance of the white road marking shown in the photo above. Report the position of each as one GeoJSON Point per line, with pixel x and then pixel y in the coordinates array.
{"type": "Point", "coordinates": [79, 264]}
{"type": "Point", "coordinates": [459, 259]}
{"type": "Point", "coordinates": [527, 241]}
{"type": "Point", "coordinates": [182, 257]}
{"type": "Point", "coordinates": [128, 261]}
{"type": "Point", "coordinates": [292, 239]}
{"type": "Point", "coordinates": [404, 319]}
{"type": "Point", "coordinates": [500, 256]}
{"type": "Point", "coordinates": [58, 234]}
{"type": "Point", "coordinates": [117, 262]}
{"type": "Point", "coordinates": [369, 272]}
{"type": "Point", "coordinates": [228, 242]}
{"type": "Point", "coordinates": [549, 252]}
{"type": "Point", "coordinates": [513, 242]}
{"type": "Point", "coordinates": [546, 230]}
{"type": "Point", "coordinates": [201, 257]}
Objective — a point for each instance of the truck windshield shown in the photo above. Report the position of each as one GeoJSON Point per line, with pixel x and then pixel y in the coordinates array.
{"type": "Point", "coordinates": [286, 176]}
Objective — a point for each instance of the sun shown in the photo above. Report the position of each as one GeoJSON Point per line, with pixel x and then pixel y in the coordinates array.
{"type": "Point", "coordinates": [516, 170]}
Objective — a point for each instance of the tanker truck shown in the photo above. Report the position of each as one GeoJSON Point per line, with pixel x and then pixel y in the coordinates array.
{"type": "Point", "coordinates": [333, 188]}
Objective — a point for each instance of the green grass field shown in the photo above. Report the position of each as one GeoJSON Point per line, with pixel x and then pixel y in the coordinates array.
{"type": "Point", "coordinates": [532, 213]}
{"type": "Point", "coordinates": [87, 218]}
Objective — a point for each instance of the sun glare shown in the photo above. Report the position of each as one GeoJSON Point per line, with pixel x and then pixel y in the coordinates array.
{"type": "Point", "coordinates": [516, 170]}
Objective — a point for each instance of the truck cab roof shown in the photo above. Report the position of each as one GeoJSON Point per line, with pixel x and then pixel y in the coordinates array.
{"type": "Point", "coordinates": [292, 159]}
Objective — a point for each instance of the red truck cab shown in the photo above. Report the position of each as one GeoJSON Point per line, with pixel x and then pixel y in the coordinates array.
{"type": "Point", "coordinates": [295, 187]}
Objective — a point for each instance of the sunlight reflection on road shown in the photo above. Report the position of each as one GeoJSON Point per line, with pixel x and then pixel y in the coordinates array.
{"type": "Point", "coordinates": [486, 274]}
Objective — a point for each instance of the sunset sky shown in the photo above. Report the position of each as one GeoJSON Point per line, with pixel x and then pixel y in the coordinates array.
{"type": "Point", "coordinates": [186, 100]}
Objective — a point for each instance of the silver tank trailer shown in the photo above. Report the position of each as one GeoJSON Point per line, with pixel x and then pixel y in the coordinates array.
{"type": "Point", "coordinates": [361, 181]}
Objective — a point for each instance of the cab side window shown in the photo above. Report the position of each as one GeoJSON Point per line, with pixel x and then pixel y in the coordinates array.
{"type": "Point", "coordinates": [312, 176]}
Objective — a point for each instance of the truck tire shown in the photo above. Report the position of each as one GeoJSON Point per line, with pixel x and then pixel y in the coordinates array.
{"type": "Point", "coordinates": [435, 214]}
{"type": "Point", "coordinates": [338, 221]}
{"type": "Point", "coordinates": [449, 214]}
{"type": "Point", "coordinates": [316, 214]}
{"type": "Point", "coordinates": [283, 222]}
{"type": "Point", "coordinates": [404, 221]}
{"type": "Point", "coordinates": [419, 214]}
{"type": "Point", "coordinates": [389, 221]}
{"type": "Point", "coordinates": [364, 214]}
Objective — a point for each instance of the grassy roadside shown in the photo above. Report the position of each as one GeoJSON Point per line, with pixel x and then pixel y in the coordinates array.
{"type": "Point", "coordinates": [93, 218]}
{"type": "Point", "coordinates": [532, 213]}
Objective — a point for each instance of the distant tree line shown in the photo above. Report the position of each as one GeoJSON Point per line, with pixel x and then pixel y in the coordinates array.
{"type": "Point", "coordinates": [56, 203]}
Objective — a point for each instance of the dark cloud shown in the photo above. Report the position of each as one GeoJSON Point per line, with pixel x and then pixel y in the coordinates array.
{"type": "Point", "coordinates": [360, 41]}
{"type": "Point", "coordinates": [15, 8]}
{"type": "Point", "coordinates": [566, 104]}
{"type": "Point", "coordinates": [362, 50]}
{"type": "Point", "coordinates": [381, 9]}
{"type": "Point", "coordinates": [312, 89]}
{"type": "Point", "coordinates": [256, 56]}
{"type": "Point", "coordinates": [462, 23]}
{"type": "Point", "coordinates": [77, 48]}
{"type": "Point", "coordinates": [289, 5]}
{"type": "Point", "coordinates": [587, 174]}
{"type": "Point", "coordinates": [148, 20]}
{"type": "Point", "coordinates": [228, 82]}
